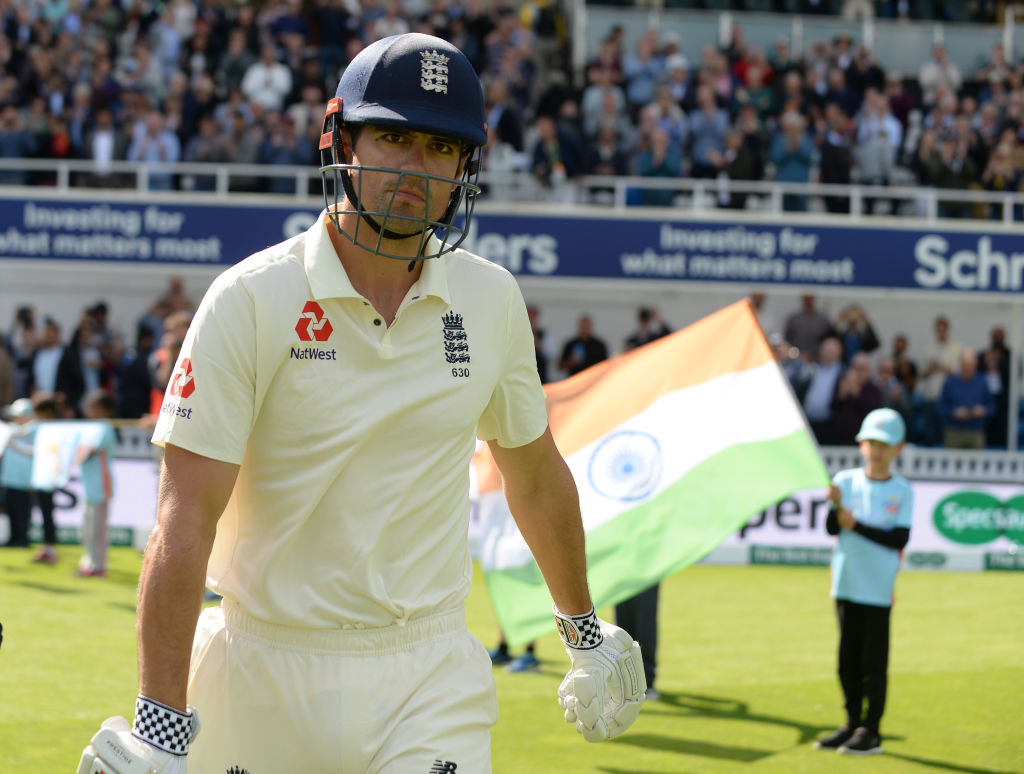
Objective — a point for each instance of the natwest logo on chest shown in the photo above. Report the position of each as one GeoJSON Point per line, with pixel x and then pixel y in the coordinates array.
{"type": "Point", "coordinates": [313, 324]}
{"type": "Point", "coordinates": [182, 384]}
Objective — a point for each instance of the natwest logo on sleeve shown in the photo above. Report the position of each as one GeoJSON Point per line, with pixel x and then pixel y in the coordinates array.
{"type": "Point", "coordinates": [313, 324]}
{"type": "Point", "coordinates": [182, 384]}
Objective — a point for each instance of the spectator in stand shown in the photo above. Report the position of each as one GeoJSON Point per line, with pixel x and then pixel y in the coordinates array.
{"type": "Point", "coordinates": [942, 357]}
{"type": "Point", "coordinates": [660, 160]}
{"type": "Point", "coordinates": [709, 125]}
{"type": "Point", "coordinates": [806, 327]}
{"type": "Point", "coordinates": [267, 81]}
{"type": "Point", "coordinates": [244, 143]}
{"type": "Point", "coordinates": [901, 100]}
{"type": "Point", "coordinates": [393, 22]}
{"type": "Point", "coordinates": [735, 162]}
{"type": "Point", "coordinates": [557, 161]}
{"type": "Point", "coordinates": [677, 69]}
{"type": "Point", "coordinates": [649, 327]}
{"type": "Point", "coordinates": [606, 155]}
{"type": "Point", "coordinates": [642, 71]}
{"type": "Point", "coordinates": [836, 154]}
{"type": "Point", "coordinates": [105, 143]}
{"type": "Point", "coordinates": [900, 352]}
{"type": "Point", "coordinates": [21, 342]}
{"type": "Point", "coordinates": [755, 92]}
{"type": "Point", "coordinates": [665, 113]}
{"type": "Point", "coordinates": [879, 139]}
{"type": "Point", "coordinates": [894, 392]}
{"type": "Point", "coordinates": [792, 153]}
{"type": "Point", "coordinates": [583, 350]}
{"type": "Point", "coordinates": [925, 157]}
{"type": "Point", "coordinates": [16, 142]}
{"type": "Point", "coordinates": [953, 168]}
{"type": "Point", "coordinates": [134, 379]}
{"type": "Point", "coordinates": [840, 91]}
{"type": "Point", "coordinates": [503, 114]}
{"type": "Point", "coordinates": [938, 72]}
{"type": "Point", "coordinates": [965, 405]}
{"type": "Point", "coordinates": [209, 146]}
{"type": "Point", "coordinates": [1001, 175]}
{"type": "Point", "coordinates": [541, 344]}
{"type": "Point", "coordinates": [282, 148]}
{"type": "Point", "coordinates": [154, 145]}
{"type": "Point", "coordinates": [45, 360]}
{"type": "Point", "coordinates": [236, 61]}
{"type": "Point", "coordinates": [855, 398]}
{"type": "Point", "coordinates": [996, 368]}
{"type": "Point", "coordinates": [853, 328]}
{"type": "Point", "coordinates": [821, 388]}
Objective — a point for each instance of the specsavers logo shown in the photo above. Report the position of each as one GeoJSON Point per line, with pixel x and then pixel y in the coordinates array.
{"type": "Point", "coordinates": [182, 384]}
{"type": "Point", "coordinates": [313, 324]}
{"type": "Point", "coordinates": [974, 518]}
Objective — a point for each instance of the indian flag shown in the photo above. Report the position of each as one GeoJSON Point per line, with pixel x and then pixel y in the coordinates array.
{"type": "Point", "coordinates": [673, 447]}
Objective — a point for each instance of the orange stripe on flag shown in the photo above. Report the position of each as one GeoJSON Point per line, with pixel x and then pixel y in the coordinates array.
{"type": "Point", "coordinates": [584, 407]}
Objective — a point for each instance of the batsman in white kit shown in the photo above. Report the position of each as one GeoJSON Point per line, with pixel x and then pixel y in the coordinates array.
{"type": "Point", "coordinates": [318, 430]}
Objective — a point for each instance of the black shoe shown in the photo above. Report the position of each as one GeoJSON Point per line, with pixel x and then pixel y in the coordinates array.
{"type": "Point", "coordinates": [835, 740]}
{"type": "Point", "coordinates": [863, 742]}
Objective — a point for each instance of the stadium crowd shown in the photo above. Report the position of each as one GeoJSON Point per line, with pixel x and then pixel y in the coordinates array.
{"type": "Point", "coordinates": [840, 368]}
{"type": "Point", "coordinates": [203, 81]}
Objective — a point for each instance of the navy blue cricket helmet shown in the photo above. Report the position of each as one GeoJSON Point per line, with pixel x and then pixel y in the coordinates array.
{"type": "Point", "coordinates": [416, 82]}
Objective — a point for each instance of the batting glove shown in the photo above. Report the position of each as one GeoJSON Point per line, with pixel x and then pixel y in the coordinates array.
{"type": "Point", "coordinates": [157, 743]}
{"type": "Point", "coordinates": [604, 690]}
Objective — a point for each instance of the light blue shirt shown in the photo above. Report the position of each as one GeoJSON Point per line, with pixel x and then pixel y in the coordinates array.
{"type": "Point", "coordinates": [97, 477]}
{"type": "Point", "coordinates": [15, 466]}
{"type": "Point", "coordinates": [862, 570]}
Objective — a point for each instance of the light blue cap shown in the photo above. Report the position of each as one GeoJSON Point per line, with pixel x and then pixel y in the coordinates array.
{"type": "Point", "coordinates": [883, 425]}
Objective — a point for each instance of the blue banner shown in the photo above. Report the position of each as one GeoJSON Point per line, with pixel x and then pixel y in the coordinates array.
{"type": "Point", "coordinates": [611, 245]}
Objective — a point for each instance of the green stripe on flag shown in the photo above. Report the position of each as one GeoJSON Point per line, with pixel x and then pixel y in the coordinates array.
{"type": "Point", "coordinates": [671, 531]}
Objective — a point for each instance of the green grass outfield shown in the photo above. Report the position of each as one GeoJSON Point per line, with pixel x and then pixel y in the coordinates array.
{"type": "Point", "coordinates": [747, 674]}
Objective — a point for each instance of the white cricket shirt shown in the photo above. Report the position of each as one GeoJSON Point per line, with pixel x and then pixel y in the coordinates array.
{"type": "Point", "coordinates": [354, 439]}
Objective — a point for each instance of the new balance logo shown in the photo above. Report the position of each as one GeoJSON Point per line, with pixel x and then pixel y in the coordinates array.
{"type": "Point", "coordinates": [443, 767]}
{"type": "Point", "coordinates": [313, 324]}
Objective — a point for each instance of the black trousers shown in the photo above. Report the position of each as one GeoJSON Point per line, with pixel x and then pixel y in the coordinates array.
{"type": "Point", "coordinates": [19, 511]}
{"type": "Point", "coordinates": [863, 660]}
{"type": "Point", "coordinates": [45, 502]}
{"type": "Point", "coordinates": [639, 617]}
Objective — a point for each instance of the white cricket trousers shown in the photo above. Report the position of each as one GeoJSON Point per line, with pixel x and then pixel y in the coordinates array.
{"type": "Point", "coordinates": [412, 699]}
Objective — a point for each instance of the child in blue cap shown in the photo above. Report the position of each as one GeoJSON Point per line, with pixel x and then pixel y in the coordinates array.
{"type": "Point", "coordinates": [871, 512]}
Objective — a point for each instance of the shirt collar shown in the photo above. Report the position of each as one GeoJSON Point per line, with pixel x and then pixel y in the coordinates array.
{"type": "Point", "coordinates": [327, 277]}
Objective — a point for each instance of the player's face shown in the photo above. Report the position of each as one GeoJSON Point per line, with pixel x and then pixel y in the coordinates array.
{"type": "Point", "coordinates": [411, 195]}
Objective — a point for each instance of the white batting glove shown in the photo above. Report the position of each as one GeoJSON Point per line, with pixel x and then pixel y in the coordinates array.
{"type": "Point", "coordinates": [157, 743]}
{"type": "Point", "coordinates": [604, 690]}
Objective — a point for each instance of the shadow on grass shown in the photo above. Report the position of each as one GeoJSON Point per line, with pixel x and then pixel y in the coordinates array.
{"type": "Point", "coordinates": [47, 587]}
{"type": "Point", "coordinates": [682, 704]}
{"type": "Point", "coordinates": [944, 765]}
{"type": "Point", "coordinates": [734, 709]}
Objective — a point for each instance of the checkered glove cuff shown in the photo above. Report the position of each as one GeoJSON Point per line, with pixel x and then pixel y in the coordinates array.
{"type": "Point", "coordinates": [579, 632]}
{"type": "Point", "coordinates": [164, 727]}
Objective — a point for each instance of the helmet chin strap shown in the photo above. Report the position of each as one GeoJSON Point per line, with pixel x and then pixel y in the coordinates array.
{"type": "Point", "coordinates": [350, 192]}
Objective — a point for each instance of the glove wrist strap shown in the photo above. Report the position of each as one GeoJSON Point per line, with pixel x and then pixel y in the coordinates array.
{"type": "Point", "coordinates": [163, 727]}
{"type": "Point", "coordinates": [579, 632]}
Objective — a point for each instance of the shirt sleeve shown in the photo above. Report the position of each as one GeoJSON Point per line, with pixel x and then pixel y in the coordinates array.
{"type": "Point", "coordinates": [516, 413]}
{"type": "Point", "coordinates": [209, 402]}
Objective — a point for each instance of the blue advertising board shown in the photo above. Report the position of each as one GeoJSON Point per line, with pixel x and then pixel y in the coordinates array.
{"type": "Point", "coordinates": [611, 245]}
